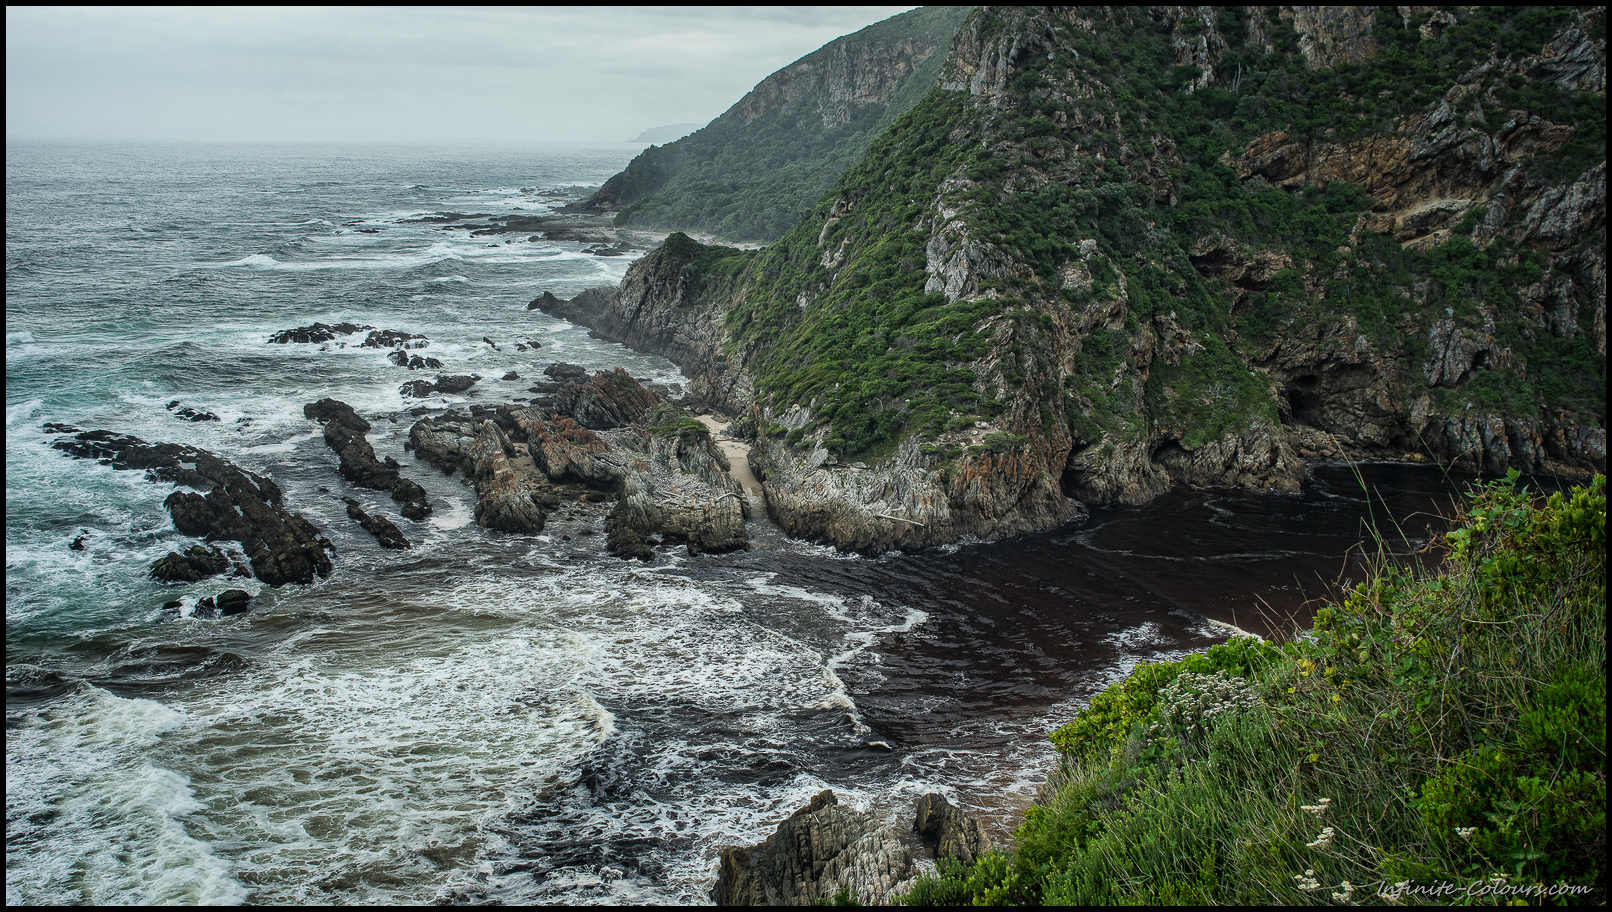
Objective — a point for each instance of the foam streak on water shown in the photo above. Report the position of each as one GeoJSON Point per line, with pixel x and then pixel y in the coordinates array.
{"type": "Point", "coordinates": [516, 718]}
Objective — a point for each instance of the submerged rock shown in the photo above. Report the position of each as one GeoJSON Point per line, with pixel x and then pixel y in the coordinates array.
{"type": "Point", "coordinates": [445, 383]}
{"type": "Point", "coordinates": [394, 338]}
{"type": "Point", "coordinates": [820, 850]}
{"type": "Point", "coordinates": [190, 414]}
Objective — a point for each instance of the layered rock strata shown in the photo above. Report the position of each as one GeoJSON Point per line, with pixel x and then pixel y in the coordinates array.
{"type": "Point", "coordinates": [239, 506]}
{"type": "Point", "coordinates": [822, 849]}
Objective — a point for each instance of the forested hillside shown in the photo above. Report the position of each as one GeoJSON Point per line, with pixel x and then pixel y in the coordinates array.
{"type": "Point", "coordinates": [750, 173]}
{"type": "Point", "coordinates": [1119, 248]}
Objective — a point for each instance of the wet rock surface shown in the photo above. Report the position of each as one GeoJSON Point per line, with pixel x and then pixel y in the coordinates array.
{"type": "Point", "coordinates": [605, 400]}
{"type": "Point", "coordinates": [445, 383]}
{"type": "Point", "coordinates": [197, 563]}
{"type": "Point", "coordinates": [345, 434]}
{"type": "Point", "coordinates": [822, 849]}
{"type": "Point", "coordinates": [318, 332]}
{"type": "Point", "coordinates": [239, 506]}
{"type": "Point", "coordinates": [385, 532]}
{"type": "Point", "coordinates": [394, 338]}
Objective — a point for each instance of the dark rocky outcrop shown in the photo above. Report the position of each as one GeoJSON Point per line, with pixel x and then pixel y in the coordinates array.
{"type": "Point", "coordinates": [382, 528]}
{"type": "Point", "coordinates": [239, 506]}
{"type": "Point", "coordinates": [949, 832]}
{"type": "Point", "coordinates": [822, 849]}
{"type": "Point", "coordinates": [560, 370]}
{"type": "Point", "coordinates": [605, 400]}
{"type": "Point", "coordinates": [394, 338]}
{"type": "Point", "coordinates": [344, 433]}
{"type": "Point", "coordinates": [402, 358]}
{"type": "Point", "coordinates": [543, 301]}
{"type": "Point", "coordinates": [197, 563]}
{"type": "Point", "coordinates": [190, 414]}
{"type": "Point", "coordinates": [445, 383]}
{"type": "Point", "coordinates": [226, 603]}
{"type": "Point", "coordinates": [318, 332]}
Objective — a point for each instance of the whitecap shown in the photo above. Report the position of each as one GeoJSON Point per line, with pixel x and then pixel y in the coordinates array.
{"type": "Point", "coordinates": [22, 411]}
{"type": "Point", "coordinates": [256, 259]}
{"type": "Point", "coordinates": [20, 337]}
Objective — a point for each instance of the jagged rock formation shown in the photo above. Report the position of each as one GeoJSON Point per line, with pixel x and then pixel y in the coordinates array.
{"type": "Point", "coordinates": [948, 831]}
{"type": "Point", "coordinates": [385, 532]}
{"type": "Point", "coordinates": [810, 120]}
{"type": "Point", "coordinates": [668, 478]}
{"type": "Point", "coordinates": [197, 563]}
{"type": "Point", "coordinates": [821, 849]}
{"type": "Point", "coordinates": [605, 400]}
{"type": "Point", "coordinates": [318, 332]}
{"type": "Point", "coordinates": [344, 433]}
{"type": "Point", "coordinates": [445, 383]}
{"type": "Point", "coordinates": [1122, 248]}
{"type": "Point", "coordinates": [239, 506]}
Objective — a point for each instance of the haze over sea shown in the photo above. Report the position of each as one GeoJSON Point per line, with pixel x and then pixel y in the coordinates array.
{"type": "Point", "coordinates": [522, 718]}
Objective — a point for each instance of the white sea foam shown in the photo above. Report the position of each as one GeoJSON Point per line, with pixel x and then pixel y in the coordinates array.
{"type": "Point", "coordinates": [115, 834]}
{"type": "Point", "coordinates": [20, 337]}
{"type": "Point", "coordinates": [22, 411]}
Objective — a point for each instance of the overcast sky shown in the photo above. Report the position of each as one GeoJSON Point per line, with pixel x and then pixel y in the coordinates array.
{"type": "Point", "coordinates": [551, 74]}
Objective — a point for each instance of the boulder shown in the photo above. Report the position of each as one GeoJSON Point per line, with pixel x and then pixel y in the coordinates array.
{"type": "Point", "coordinates": [949, 832]}
{"type": "Point", "coordinates": [819, 851]}
{"type": "Point", "coordinates": [560, 370]}
{"type": "Point", "coordinates": [233, 601]}
{"type": "Point", "coordinates": [198, 563]}
{"type": "Point", "coordinates": [445, 383]}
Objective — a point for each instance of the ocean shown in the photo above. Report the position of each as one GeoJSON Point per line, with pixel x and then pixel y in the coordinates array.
{"type": "Point", "coordinates": [493, 717]}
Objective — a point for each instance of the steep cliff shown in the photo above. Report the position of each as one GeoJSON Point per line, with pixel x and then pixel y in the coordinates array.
{"type": "Point", "coordinates": [1120, 248]}
{"type": "Point", "coordinates": [749, 174]}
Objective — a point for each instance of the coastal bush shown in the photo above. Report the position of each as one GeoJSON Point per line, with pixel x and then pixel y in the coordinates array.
{"type": "Point", "coordinates": [1439, 725]}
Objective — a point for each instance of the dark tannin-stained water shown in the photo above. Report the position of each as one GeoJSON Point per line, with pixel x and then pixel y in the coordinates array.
{"type": "Point", "coordinates": [488, 716]}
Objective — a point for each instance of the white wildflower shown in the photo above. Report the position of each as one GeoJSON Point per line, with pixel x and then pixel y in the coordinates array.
{"type": "Point", "coordinates": [1465, 832]}
{"type": "Point", "coordinates": [1348, 893]}
{"type": "Point", "coordinates": [1307, 881]}
{"type": "Point", "coordinates": [1319, 808]}
{"type": "Point", "coordinates": [1322, 841]}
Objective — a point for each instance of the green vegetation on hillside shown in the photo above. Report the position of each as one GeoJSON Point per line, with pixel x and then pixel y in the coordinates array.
{"type": "Point", "coordinates": [846, 325]}
{"type": "Point", "coordinates": [1438, 727]}
{"type": "Point", "coordinates": [752, 181]}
